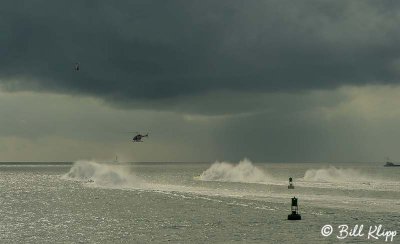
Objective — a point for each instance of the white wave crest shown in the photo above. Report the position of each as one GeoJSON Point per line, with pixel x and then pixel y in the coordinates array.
{"type": "Point", "coordinates": [244, 171]}
{"type": "Point", "coordinates": [333, 174]}
{"type": "Point", "coordinates": [101, 174]}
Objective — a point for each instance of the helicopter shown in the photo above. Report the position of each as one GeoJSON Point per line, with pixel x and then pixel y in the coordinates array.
{"type": "Point", "coordinates": [138, 137]}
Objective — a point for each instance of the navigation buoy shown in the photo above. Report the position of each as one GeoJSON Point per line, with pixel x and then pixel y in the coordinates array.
{"type": "Point", "coordinates": [295, 210]}
{"type": "Point", "coordinates": [290, 186]}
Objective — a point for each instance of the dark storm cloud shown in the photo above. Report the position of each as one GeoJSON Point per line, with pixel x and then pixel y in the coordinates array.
{"type": "Point", "coordinates": [136, 51]}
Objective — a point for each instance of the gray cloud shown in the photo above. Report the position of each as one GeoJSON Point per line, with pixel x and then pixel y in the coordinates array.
{"type": "Point", "coordinates": [156, 54]}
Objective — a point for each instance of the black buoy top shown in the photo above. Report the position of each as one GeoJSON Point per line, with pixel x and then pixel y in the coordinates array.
{"type": "Point", "coordinates": [294, 201]}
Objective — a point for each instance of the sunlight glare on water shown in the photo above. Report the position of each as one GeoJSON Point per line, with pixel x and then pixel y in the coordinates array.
{"type": "Point", "coordinates": [222, 202]}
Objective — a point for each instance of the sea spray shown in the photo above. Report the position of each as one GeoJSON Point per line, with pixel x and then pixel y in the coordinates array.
{"type": "Point", "coordinates": [244, 171]}
{"type": "Point", "coordinates": [333, 174]}
{"type": "Point", "coordinates": [101, 174]}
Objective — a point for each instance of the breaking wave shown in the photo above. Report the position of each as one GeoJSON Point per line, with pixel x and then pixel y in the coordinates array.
{"type": "Point", "coordinates": [244, 171]}
{"type": "Point", "coordinates": [333, 174]}
{"type": "Point", "coordinates": [101, 174]}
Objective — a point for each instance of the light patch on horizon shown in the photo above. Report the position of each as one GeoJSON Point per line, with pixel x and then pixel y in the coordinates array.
{"type": "Point", "coordinates": [371, 103]}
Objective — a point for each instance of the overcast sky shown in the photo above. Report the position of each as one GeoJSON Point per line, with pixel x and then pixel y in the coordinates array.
{"type": "Point", "coordinates": [274, 81]}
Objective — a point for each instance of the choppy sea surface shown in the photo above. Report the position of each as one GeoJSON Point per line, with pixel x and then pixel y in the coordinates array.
{"type": "Point", "coordinates": [91, 202]}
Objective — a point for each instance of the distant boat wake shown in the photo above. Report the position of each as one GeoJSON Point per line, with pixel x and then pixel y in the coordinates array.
{"type": "Point", "coordinates": [102, 174]}
{"type": "Point", "coordinates": [333, 174]}
{"type": "Point", "coordinates": [244, 172]}
{"type": "Point", "coordinates": [111, 176]}
{"type": "Point", "coordinates": [122, 177]}
{"type": "Point", "coordinates": [329, 177]}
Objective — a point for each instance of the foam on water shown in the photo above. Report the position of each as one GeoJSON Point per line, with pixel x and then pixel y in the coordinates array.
{"type": "Point", "coordinates": [339, 180]}
{"type": "Point", "coordinates": [102, 174]}
{"type": "Point", "coordinates": [346, 178]}
{"type": "Point", "coordinates": [244, 171]}
{"type": "Point", "coordinates": [333, 174]}
{"type": "Point", "coordinates": [328, 177]}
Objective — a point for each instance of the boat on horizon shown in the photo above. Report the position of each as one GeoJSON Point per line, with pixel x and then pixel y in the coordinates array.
{"type": "Point", "coordinates": [390, 164]}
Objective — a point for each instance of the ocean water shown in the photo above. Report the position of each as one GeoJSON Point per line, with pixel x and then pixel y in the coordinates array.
{"type": "Point", "coordinates": [221, 202]}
